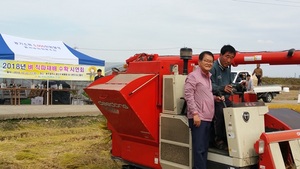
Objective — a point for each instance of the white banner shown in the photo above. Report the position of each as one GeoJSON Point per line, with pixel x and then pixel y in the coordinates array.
{"type": "Point", "coordinates": [39, 51]}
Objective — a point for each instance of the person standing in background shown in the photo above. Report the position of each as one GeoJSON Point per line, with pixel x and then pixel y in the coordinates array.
{"type": "Point", "coordinates": [258, 73]}
{"type": "Point", "coordinates": [99, 74]}
{"type": "Point", "coordinates": [249, 83]}
{"type": "Point", "coordinates": [200, 107]}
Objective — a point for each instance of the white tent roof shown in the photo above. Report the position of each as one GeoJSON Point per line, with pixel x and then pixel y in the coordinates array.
{"type": "Point", "coordinates": [21, 49]}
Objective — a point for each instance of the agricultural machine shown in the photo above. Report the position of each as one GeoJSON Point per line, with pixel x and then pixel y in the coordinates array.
{"type": "Point", "coordinates": [145, 110]}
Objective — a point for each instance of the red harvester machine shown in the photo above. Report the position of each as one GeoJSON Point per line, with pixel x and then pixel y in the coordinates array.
{"type": "Point", "coordinates": [144, 107]}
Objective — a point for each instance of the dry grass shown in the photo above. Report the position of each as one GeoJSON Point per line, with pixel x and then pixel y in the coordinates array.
{"type": "Point", "coordinates": [60, 143]}
{"type": "Point", "coordinates": [291, 95]}
{"type": "Point", "coordinates": [74, 142]}
{"type": "Point", "coordinates": [292, 83]}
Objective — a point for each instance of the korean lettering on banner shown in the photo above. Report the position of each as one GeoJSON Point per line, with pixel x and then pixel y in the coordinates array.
{"type": "Point", "coordinates": [36, 70]}
{"type": "Point", "coordinates": [17, 66]}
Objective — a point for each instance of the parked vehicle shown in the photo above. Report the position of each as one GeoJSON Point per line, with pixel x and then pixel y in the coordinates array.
{"type": "Point", "coordinates": [264, 92]}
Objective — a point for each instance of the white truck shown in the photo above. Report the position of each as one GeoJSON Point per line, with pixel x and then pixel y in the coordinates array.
{"type": "Point", "coordinates": [264, 92]}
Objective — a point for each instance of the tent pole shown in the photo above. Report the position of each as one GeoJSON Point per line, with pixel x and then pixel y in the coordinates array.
{"type": "Point", "coordinates": [47, 92]}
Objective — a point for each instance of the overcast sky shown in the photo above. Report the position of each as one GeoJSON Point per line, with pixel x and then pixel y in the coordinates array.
{"type": "Point", "coordinates": [114, 30]}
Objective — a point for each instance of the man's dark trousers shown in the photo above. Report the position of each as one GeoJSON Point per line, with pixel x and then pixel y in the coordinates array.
{"type": "Point", "coordinates": [200, 141]}
{"type": "Point", "coordinates": [219, 122]}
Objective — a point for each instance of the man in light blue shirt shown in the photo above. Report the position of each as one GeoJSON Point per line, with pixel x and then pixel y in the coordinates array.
{"type": "Point", "coordinates": [249, 83]}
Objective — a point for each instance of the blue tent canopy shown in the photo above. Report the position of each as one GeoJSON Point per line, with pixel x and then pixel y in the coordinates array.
{"type": "Point", "coordinates": [85, 59]}
{"type": "Point", "coordinates": [5, 52]}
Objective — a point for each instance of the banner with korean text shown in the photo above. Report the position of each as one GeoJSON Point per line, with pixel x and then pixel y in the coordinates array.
{"type": "Point", "coordinates": [51, 71]}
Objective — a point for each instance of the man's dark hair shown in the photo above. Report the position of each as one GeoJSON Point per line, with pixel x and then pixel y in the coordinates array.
{"type": "Point", "coordinates": [99, 70]}
{"type": "Point", "coordinates": [228, 48]}
{"type": "Point", "coordinates": [201, 56]}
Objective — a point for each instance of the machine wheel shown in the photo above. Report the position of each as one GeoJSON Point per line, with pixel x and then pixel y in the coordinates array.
{"type": "Point", "coordinates": [268, 98]}
{"type": "Point", "coordinates": [129, 167]}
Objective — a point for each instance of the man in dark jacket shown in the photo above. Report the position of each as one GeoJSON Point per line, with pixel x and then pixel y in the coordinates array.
{"type": "Point", "coordinates": [221, 84]}
{"type": "Point", "coordinates": [99, 74]}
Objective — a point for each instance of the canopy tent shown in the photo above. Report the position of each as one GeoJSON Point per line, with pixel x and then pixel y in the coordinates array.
{"type": "Point", "coordinates": [37, 59]}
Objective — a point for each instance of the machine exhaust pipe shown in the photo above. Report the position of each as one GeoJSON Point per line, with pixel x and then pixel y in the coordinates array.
{"type": "Point", "coordinates": [185, 55]}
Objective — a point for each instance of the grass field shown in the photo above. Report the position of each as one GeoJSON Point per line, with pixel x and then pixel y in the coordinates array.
{"type": "Point", "coordinates": [292, 83]}
{"type": "Point", "coordinates": [72, 143]}
{"type": "Point", "coordinates": [79, 142]}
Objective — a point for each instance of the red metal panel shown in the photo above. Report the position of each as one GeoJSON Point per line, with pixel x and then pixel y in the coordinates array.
{"type": "Point", "coordinates": [132, 112]}
{"type": "Point", "coordinates": [272, 58]}
{"type": "Point", "coordinates": [141, 154]}
{"type": "Point", "coordinates": [235, 98]}
{"type": "Point", "coordinates": [272, 122]}
{"type": "Point", "coordinates": [281, 136]}
{"type": "Point", "coordinates": [129, 113]}
{"type": "Point", "coordinates": [250, 97]}
{"type": "Point", "coordinates": [266, 159]}
{"type": "Point", "coordinates": [116, 147]}
{"type": "Point", "coordinates": [268, 57]}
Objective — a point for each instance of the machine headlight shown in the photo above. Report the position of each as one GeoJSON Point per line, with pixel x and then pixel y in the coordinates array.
{"type": "Point", "coordinates": [261, 147]}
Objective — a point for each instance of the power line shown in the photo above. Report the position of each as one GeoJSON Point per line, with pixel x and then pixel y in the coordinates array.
{"type": "Point", "coordinates": [266, 3]}
{"type": "Point", "coordinates": [288, 1]}
{"type": "Point", "coordinates": [134, 50]}
{"type": "Point", "coordinates": [124, 50]}
{"type": "Point", "coordinates": [170, 48]}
